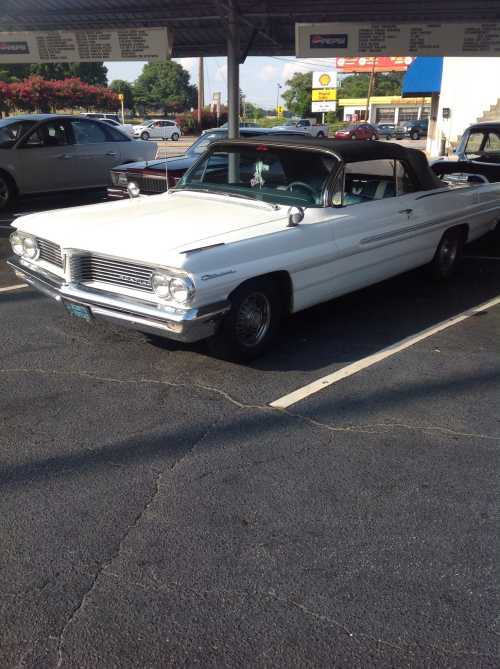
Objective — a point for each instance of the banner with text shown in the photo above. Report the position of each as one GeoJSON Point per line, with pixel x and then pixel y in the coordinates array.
{"type": "Point", "coordinates": [85, 46]}
{"type": "Point", "coordinates": [328, 40]}
{"type": "Point", "coordinates": [382, 64]}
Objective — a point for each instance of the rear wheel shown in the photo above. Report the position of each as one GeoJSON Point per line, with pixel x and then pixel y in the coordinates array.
{"type": "Point", "coordinates": [447, 255]}
{"type": "Point", "coordinates": [415, 134]}
{"type": "Point", "coordinates": [7, 191]}
{"type": "Point", "coordinates": [145, 135]}
{"type": "Point", "coordinates": [373, 137]}
{"type": "Point", "coordinates": [252, 323]}
{"type": "Point", "coordinates": [175, 136]}
{"type": "Point", "coordinates": [353, 137]}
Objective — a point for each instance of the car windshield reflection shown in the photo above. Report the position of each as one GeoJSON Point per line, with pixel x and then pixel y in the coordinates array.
{"type": "Point", "coordinates": [267, 173]}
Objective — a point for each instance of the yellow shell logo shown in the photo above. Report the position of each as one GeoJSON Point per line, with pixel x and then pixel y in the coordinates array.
{"type": "Point", "coordinates": [324, 79]}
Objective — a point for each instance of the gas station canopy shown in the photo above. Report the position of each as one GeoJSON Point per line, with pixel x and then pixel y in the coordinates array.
{"type": "Point", "coordinates": [199, 27]}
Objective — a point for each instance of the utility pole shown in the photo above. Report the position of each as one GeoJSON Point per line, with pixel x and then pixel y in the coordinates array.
{"type": "Point", "coordinates": [370, 89]}
{"type": "Point", "coordinates": [201, 89]}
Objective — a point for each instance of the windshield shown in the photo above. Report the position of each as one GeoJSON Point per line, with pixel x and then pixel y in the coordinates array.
{"type": "Point", "coordinates": [271, 174]}
{"type": "Point", "coordinates": [11, 131]}
{"type": "Point", "coordinates": [484, 145]}
{"type": "Point", "coordinates": [201, 144]}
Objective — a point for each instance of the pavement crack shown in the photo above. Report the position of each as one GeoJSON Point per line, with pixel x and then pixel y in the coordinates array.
{"type": "Point", "coordinates": [103, 567]}
{"type": "Point", "coordinates": [107, 563]}
{"type": "Point", "coordinates": [373, 429]}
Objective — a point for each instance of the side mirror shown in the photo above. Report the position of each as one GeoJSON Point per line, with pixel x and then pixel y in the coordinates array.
{"type": "Point", "coordinates": [295, 216]}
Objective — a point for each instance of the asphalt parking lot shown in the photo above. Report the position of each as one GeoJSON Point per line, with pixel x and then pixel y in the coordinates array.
{"type": "Point", "coordinates": [158, 511]}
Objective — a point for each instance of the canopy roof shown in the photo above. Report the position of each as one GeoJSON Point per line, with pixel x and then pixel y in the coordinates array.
{"type": "Point", "coordinates": [199, 28]}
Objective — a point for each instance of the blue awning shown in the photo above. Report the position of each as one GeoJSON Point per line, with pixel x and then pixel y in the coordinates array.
{"type": "Point", "coordinates": [423, 77]}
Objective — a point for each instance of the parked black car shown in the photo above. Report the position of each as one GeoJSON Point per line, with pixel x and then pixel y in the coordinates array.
{"type": "Point", "coordinates": [151, 176]}
{"type": "Point", "coordinates": [389, 130]}
{"type": "Point", "coordinates": [478, 156]}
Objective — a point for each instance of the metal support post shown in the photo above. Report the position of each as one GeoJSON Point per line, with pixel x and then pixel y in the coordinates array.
{"type": "Point", "coordinates": [233, 72]}
{"type": "Point", "coordinates": [233, 85]}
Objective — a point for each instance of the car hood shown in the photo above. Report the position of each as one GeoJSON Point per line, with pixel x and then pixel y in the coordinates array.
{"type": "Point", "coordinates": [179, 163]}
{"type": "Point", "coordinates": [157, 230]}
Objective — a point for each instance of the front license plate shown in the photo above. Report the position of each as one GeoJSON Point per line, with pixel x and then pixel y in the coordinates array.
{"type": "Point", "coordinates": [79, 310]}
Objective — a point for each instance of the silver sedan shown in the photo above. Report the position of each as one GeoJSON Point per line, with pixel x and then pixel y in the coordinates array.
{"type": "Point", "coordinates": [43, 153]}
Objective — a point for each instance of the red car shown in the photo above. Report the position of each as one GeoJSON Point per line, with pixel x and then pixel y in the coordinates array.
{"type": "Point", "coordinates": [360, 131]}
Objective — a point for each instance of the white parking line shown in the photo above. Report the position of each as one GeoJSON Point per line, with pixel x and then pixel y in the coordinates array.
{"type": "Point", "coordinates": [314, 387]}
{"type": "Point", "coordinates": [7, 289]}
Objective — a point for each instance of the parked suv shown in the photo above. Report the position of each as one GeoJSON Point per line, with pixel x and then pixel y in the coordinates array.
{"type": "Point", "coordinates": [416, 129]}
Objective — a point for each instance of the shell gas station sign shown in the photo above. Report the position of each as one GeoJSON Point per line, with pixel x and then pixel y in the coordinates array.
{"type": "Point", "coordinates": [324, 91]}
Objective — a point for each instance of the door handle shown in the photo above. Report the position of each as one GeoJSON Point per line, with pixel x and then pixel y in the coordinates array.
{"type": "Point", "coordinates": [405, 211]}
{"type": "Point", "coordinates": [113, 154]}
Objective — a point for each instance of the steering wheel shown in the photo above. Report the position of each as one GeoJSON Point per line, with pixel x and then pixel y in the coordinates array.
{"type": "Point", "coordinates": [301, 184]}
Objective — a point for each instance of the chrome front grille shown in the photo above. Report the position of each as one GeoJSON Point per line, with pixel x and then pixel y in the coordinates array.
{"type": "Point", "coordinates": [149, 184]}
{"type": "Point", "coordinates": [50, 252]}
{"type": "Point", "coordinates": [107, 270]}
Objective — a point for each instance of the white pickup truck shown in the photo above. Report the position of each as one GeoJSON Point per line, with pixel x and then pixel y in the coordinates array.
{"type": "Point", "coordinates": [306, 125]}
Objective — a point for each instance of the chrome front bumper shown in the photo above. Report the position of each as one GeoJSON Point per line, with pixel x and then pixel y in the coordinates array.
{"type": "Point", "coordinates": [187, 325]}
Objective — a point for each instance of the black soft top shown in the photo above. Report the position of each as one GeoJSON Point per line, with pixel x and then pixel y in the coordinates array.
{"type": "Point", "coordinates": [352, 151]}
{"type": "Point", "coordinates": [493, 126]}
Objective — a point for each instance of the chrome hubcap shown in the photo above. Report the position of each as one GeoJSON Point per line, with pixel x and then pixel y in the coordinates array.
{"type": "Point", "coordinates": [448, 254]}
{"type": "Point", "coordinates": [253, 319]}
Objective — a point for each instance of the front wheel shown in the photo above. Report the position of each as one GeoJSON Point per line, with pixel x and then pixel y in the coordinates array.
{"type": "Point", "coordinates": [175, 137]}
{"type": "Point", "coordinates": [7, 192]}
{"type": "Point", "coordinates": [373, 137]}
{"type": "Point", "coordinates": [415, 135]}
{"type": "Point", "coordinates": [252, 323]}
{"type": "Point", "coordinates": [447, 256]}
{"type": "Point", "coordinates": [320, 134]}
{"type": "Point", "coordinates": [145, 135]}
{"type": "Point", "coordinates": [353, 137]}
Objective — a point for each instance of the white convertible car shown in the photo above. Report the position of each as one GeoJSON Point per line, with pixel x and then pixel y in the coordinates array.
{"type": "Point", "coordinates": [41, 153]}
{"type": "Point", "coordinates": [257, 229]}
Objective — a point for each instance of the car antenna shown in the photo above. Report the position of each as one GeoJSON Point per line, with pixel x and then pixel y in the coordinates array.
{"type": "Point", "coordinates": [166, 166]}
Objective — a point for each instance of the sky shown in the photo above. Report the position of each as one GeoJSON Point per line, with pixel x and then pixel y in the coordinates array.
{"type": "Point", "coordinates": [258, 76]}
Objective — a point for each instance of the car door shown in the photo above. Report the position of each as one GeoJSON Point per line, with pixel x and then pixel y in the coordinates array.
{"type": "Point", "coordinates": [45, 158]}
{"type": "Point", "coordinates": [96, 150]}
{"type": "Point", "coordinates": [373, 234]}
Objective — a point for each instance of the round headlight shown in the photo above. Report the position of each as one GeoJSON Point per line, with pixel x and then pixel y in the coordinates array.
{"type": "Point", "coordinates": [30, 248]}
{"type": "Point", "coordinates": [181, 289]}
{"type": "Point", "coordinates": [16, 241]}
{"type": "Point", "coordinates": [161, 285]}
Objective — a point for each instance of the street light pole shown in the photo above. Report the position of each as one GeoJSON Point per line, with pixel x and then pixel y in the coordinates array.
{"type": "Point", "coordinates": [278, 96]}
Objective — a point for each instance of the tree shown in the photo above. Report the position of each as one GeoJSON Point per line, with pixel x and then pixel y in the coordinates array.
{"type": "Point", "coordinates": [253, 111]}
{"type": "Point", "coordinates": [37, 94]}
{"type": "Point", "coordinates": [123, 87]}
{"type": "Point", "coordinates": [356, 85]}
{"type": "Point", "coordinates": [165, 84]}
{"type": "Point", "coordinates": [12, 73]}
{"type": "Point", "coordinates": [90, 73]}
{"type": "Point", "coordinates": [297, 97]}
